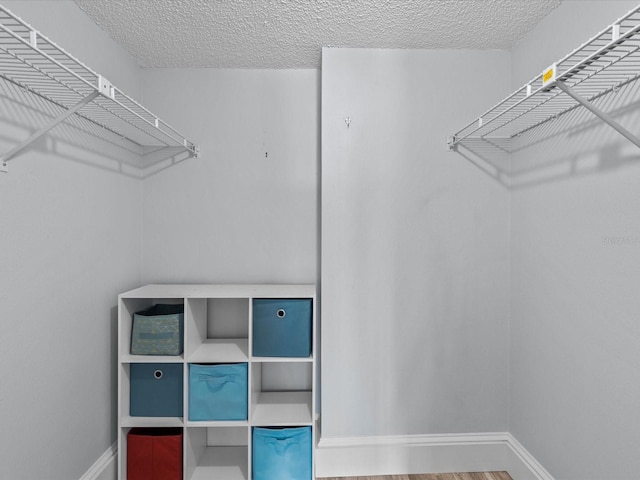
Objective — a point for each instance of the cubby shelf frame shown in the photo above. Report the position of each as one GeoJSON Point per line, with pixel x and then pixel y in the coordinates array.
{"type": "Point", "coordinates": [604, 64]}
{"type": "Point", "coordinates": [31, 61]}
{"type": "Point", "coordinates": [218, 328]}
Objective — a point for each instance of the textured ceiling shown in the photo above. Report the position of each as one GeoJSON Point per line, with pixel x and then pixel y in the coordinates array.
{"type": "Point", "coordinates": [291, 33]}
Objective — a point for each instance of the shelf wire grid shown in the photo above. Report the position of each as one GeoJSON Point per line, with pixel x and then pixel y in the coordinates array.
{"type": "Point", "coordinates": [37, 64]}
{"type": "Point", "coordinates": [602, 65]}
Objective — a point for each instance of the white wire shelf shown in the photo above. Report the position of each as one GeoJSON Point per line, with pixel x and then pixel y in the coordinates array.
{"type": "Point", "coordinates": [32, 61]}
{"type": "Point", "coordinates": [605, 63]}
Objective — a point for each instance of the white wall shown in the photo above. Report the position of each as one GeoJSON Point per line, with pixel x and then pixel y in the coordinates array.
{"type": "Point", "coordinates": [575, 251]}
{"type": "Point", "coordinates": [415, 274]}
{"type": "Point", "coordinates": [247, 210]}
{"type": "Point", "coordinates": [414, 247]}
{"type": "Point", "coordinates": [70, 242]}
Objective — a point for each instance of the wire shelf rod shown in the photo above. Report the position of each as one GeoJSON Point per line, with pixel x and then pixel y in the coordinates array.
{"type": "Point", "coordinates": [75, 88]}
{"type": "Point", "coordinates": [48, 57]}
{"type": "Point", "coordinates": [35, 63]}
{"type": "Point", "coordinates": [577, 83]}
{"type": "Point", "coordinates": [610, 57]}
{"type": "Point", "coordinates": [62, 106]}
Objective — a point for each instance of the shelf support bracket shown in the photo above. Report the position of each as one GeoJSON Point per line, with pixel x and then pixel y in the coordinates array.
{"type": "Point", "coordinates": [18, 148]}
{"type": "Point", "coordinates": [605, 117]}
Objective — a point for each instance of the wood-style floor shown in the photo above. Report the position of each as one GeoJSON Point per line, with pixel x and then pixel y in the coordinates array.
{"type": "Point", "coordinates": [435, 476]}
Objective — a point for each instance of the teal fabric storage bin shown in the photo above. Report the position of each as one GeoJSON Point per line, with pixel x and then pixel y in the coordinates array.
{"type": "Point", "coordinates": [155, 390]}
{"type": "Point", "coordinates": [281, 453]}
{"type": "Point", "coordinates": [158, 330]}
{"type": "Point", "coordinates": [282, 327]}
{"type": "Point", "coordinates": [218, 392]}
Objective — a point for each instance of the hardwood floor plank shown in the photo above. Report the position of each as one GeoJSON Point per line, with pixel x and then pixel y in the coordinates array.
{"type": "Point", "coordinates": [479, 476]}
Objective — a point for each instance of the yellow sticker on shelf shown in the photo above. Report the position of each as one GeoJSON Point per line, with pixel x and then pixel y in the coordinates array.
{"type": "Point", "coordinates": [549, 75]}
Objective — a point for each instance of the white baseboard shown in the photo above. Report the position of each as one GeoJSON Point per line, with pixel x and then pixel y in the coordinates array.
{"type": "Point", "coordinates": [478, 452]}
{"type": "Point", "coordinates": [105, 467]}
{"type": "Point", "coordinates": [523, 466]}
{"type": "Point", "coordinates": [362, 456]}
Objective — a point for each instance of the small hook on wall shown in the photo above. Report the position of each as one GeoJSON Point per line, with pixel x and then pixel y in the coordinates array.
{"type": "Point", "coordinates": [347, 121]}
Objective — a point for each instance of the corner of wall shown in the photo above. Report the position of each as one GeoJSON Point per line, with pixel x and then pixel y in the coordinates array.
{"type": "Point", "coordinates": [104, 467]}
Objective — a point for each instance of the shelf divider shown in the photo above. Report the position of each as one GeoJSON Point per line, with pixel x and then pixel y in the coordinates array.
{"type": "Point", "coordinates": [221, 350]}
{"type": "Point", "coordinates": [280, 389]}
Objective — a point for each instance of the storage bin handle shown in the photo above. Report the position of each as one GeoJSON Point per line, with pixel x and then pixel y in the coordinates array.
{"type": "Point", "coordinates": [281, 313]}
{"type": "Point", "coordinates": [281, 445]}
{"type": "Point", "coordinates": [158, 374]}
{"type": "Point", "coordinates": [217, 383]}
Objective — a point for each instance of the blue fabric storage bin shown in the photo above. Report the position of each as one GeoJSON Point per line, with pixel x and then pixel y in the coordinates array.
{"type": "Point", "coordinates": [281, 453]}
{"type": "Point", "coordinates": [158, 330]}
{"type": "Point", "coordinates": [282, 328]}
{"type": "Point", "coordinates": [218, 392]}
{"type": "Point", "coordinates": [155, 390]}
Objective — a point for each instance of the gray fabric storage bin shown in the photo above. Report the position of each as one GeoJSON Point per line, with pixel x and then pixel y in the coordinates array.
{"type": "Point", "coordinates": [158, 330]}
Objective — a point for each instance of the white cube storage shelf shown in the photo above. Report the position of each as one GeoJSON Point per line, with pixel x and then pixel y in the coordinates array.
{"type": "Point", "coordinates": [218, 329]}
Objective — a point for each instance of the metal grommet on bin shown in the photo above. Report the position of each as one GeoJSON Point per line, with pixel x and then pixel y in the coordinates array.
{"type": "Point", "coordinates": [281, 313]}
{"type": "Point", "coordinates": [157, 374]}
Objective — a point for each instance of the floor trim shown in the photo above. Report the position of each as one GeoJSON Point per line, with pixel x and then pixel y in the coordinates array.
{"type": "Point", "coordinates": [104, 467]}
{"type": "Point", "coordinates": [407, 454]}
{"type": "Point", "coordinates": [412, 454]}
{"type": "Point", "coordinates": [523, 465]}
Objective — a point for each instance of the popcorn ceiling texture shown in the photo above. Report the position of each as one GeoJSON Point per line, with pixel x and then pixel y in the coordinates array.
{"type": "Point", "coordinates": [291, 33]}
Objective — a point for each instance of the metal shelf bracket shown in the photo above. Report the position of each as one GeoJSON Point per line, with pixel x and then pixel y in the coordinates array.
{"type": "Point", "coordinates": [18, 148]}
{"type": "Point", "coordinates": [605, 117]}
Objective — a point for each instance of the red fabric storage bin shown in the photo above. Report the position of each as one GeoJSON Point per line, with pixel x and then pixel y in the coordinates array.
{"type": "Point", "coordinates": [154, 454]}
